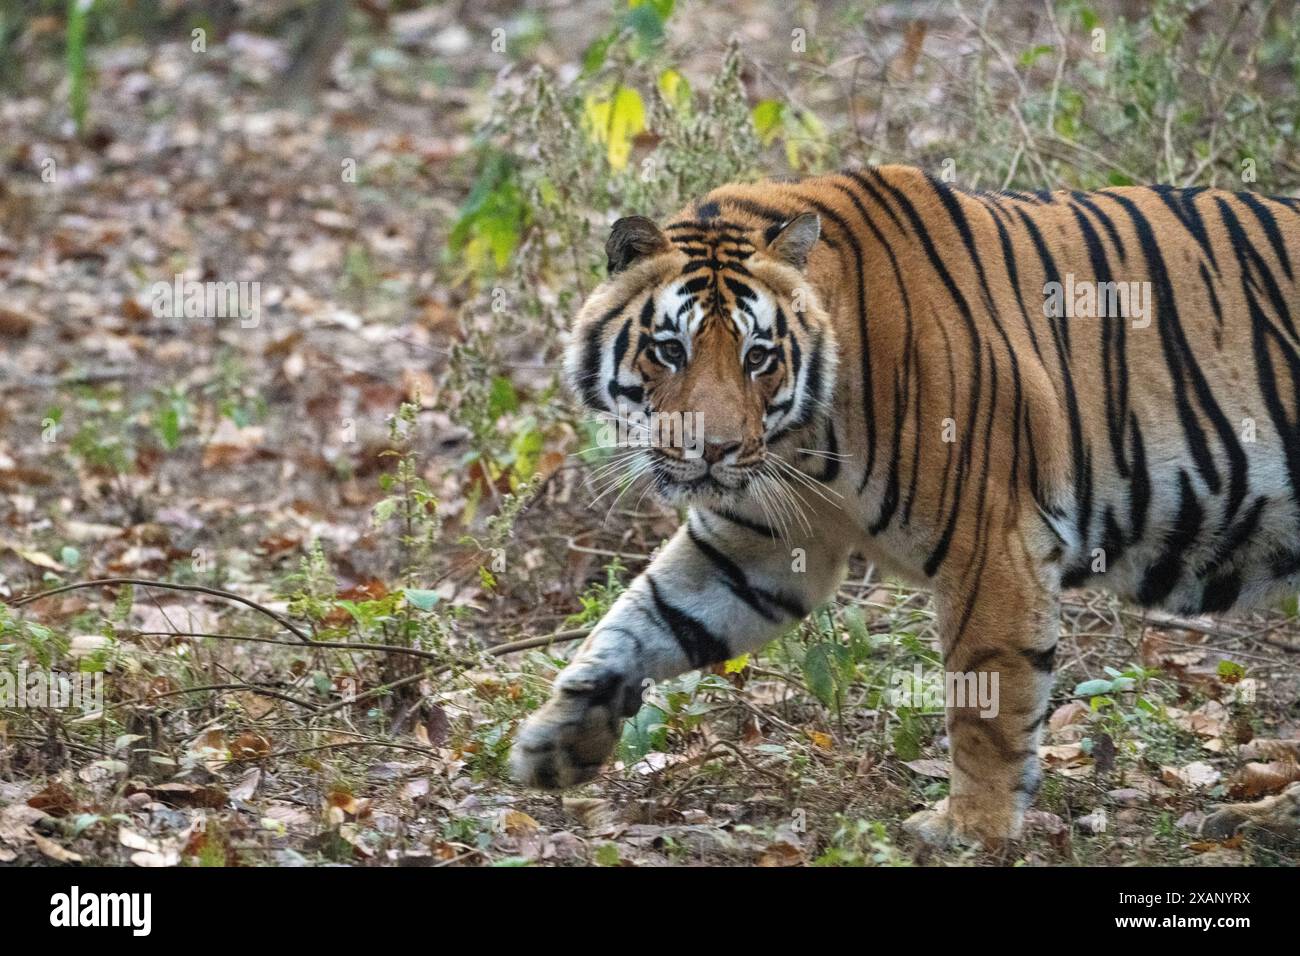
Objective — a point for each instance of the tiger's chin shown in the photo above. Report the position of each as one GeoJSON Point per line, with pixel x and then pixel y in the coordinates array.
{"type": "Point", "coordinates": [705, 491]}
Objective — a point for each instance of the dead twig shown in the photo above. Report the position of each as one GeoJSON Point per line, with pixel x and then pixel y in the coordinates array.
{"type": "Point", "coordinates": [167, 585]}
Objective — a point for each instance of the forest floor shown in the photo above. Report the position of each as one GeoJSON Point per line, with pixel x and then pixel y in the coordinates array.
{"type": "Point", "coordinates": [217, 453]}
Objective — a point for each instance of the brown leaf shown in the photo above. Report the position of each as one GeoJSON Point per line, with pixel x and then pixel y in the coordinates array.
{"type": "Point", "coordinates": [782, 853]}
{"type": "Point", "coordinates": [56, 800]}
{"type": "Point", "coordinates": [54, 851]}
{"type": "Point", "coordinates": [342, 801]}
{"type": "Point", "coordinates": [255, 705]}
{"type": "Point", "coordinates": [1076, 711]}
{"type": "Point", "coordinates": [1260, 779]}
{"type": "Point", "coordinates": [249, 744]}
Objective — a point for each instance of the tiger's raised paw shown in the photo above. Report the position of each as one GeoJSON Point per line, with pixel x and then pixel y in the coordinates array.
{"type": "Point", "coordinates": [569, 738]}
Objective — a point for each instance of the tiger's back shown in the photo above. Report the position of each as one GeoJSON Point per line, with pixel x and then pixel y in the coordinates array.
{"type": "Point", "coordinates": [1160, 444]}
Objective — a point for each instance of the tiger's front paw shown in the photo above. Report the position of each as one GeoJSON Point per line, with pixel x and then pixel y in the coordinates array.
{"type": "Point", "coordinates": [990, 828]}
{"type": "Point", "coordinates": [570, 737]}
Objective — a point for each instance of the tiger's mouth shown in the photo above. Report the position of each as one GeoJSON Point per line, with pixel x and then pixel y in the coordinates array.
{"type": "Point", "coordinates": [694, 481]}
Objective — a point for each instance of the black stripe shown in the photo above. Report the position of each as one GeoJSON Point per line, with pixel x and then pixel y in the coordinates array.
{"type": "Point", "coordinates": [1269, 224]}
{"type": "Point", "coordinates": [1040, 660]}
{"type": "Point", "coordinates": [757, 527]}
{"type": "Point", "coordinates": [697, 642]}
{"type": "Point", "coordinates": [1163, 576]}
{"type": "Point", "coordinates": [591, 352]}
{"type": "Point", "coordinates": [760, 600]}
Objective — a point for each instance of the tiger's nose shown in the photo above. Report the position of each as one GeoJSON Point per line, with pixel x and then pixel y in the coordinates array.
{"type": "Point", "coordinates": [715, 452]}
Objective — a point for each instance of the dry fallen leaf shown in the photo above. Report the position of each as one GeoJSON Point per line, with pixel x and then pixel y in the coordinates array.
{"type": "Point", "coordinates": [1194, 776]}
{"type": "Point", "coordinates": [16, 823]}
{"type": "Point", "coordinates": [822, 741]}
{"type": "Point", "coordinates": [56, 800]}
{"type": "Point", "coordinates": [247, 785]}
{"type": "Point", "coordinates": [516, 822]}
{"type": "Point", "coordinates": [929, 767]}
{"type": "Point", "coordinates": [1261, 779]}
{"type": "Point", "coordinates": [54, 851]}
{"type": "Point", "coordinates": [1074, 712]}
{"type": "Point", "coordinates": [250, 745]}
{"type": "Point", "coordinates": [136, 841]}
{"type": "Point", "coordinates": [782, 853]}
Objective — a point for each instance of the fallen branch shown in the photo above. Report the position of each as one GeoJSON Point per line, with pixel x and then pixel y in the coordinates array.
{"type": "Point", "coordinates": [339, 745]}
{"type": "Point", "coordinates": [572, 634]}
{"type": "Point", "coordinates": [253, 688]}
{"type": "Point", "coordinates": [167, 585]}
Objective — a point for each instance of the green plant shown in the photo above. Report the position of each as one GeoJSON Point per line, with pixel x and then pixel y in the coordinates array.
{"type": "Point", "coordinates": [78, 82]}
{"type": "Point", "coordinates": [858, 842]}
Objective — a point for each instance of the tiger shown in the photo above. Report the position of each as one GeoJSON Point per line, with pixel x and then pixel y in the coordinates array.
{"type": "Point", "coordinates": [995, 395]}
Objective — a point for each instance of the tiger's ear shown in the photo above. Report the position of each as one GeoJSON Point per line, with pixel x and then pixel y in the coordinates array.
{"type": "Point", "coordinates": [630, 239]}
{"type": "Point", "coordinates": [795, 240]}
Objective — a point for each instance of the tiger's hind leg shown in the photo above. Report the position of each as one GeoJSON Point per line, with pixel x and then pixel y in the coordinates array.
{"type": "Point", "coordinates": [999, 644]}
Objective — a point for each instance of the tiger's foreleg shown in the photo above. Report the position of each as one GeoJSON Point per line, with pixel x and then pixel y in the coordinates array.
{"type": "Point", "coordinates": [999, 643]}
{"type": "Point", "coordinates": [716, 590]}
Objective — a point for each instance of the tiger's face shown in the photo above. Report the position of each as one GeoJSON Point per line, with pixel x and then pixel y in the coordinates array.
{"type": "Point", "coordinates": [703, 348]}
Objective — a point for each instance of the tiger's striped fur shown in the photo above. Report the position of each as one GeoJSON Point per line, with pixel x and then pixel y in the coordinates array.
{"type": "Point", "coordinates": [946, 428]}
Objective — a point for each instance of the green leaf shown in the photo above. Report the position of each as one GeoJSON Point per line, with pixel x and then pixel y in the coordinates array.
{"type": "Point", "coordinates": [594, 58]}
{"type": "Point", "coordinates": [169, 426]}
{"type": "Point", "coordinates": [78, 94]}
{"type": "Point", "coordinates": [1090, 688]}
{"type": "Point", "coordinates": [906, 738]}
{"type": "Point", "coordinates": [607, 855]}
{"type": "Point", "coordinates": [493, 217]}
{"type": "Point", "coordinates": [1034, 54]}
{"type": "Point", "coordinates": [1225, 668]}
{"type": "Point", "coordinates": [644, 733]}
{"type": "Point", "coordinates": [421, 598]}
{"type": "Point", "coordinates": [818, 675]}
{"type": "Point", "coordinates": [663, 9]}
{"type": "Point", "coordinates": [526, 449]}
{"type": "Point", "coordinates": [767, 116]}
{"type": "Point", "coordinates": [502, 398]}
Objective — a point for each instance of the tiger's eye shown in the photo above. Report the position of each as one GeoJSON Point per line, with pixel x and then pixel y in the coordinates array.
{"type": "Point", "coordinates": [672, 352]}
{"type": "Point", "coordinates": [756, 357]}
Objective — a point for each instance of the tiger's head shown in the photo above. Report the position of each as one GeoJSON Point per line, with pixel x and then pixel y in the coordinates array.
{"type": "Point", "coordinates": [704, 347]}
